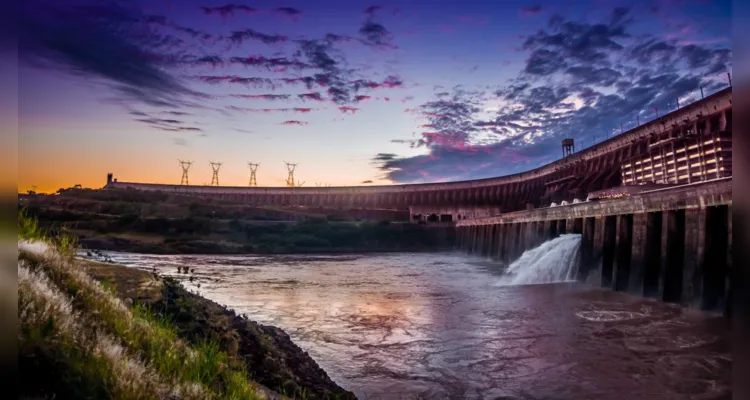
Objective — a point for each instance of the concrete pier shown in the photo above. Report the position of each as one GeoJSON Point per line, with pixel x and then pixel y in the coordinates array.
{"type": "Point", "coordinates": [671, 244]}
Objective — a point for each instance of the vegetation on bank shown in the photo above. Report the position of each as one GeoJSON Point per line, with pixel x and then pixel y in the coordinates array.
{"type": "Point", "coordinates": [179, 225]}
{"type": "Point", "coordinates": [87, 342]}
{"type": "Point", "coordinates": [91, 345]}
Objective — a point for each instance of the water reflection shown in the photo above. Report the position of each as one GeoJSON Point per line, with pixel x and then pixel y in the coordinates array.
{"type": "Point", "coordinates": [436, 325]}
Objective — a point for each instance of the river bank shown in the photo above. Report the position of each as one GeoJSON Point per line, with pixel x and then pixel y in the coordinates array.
{"type": "Point", "coordinates": [271, 357]}
{"type": "Point", "coordinates": [104, 296]}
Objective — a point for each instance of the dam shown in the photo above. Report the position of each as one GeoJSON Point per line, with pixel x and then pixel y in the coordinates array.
{"type": "Point", "coordinates": [653, 206]}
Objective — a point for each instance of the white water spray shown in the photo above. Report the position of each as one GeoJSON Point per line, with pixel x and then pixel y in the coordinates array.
{"type": "Point", "coordinates": [553, 261]}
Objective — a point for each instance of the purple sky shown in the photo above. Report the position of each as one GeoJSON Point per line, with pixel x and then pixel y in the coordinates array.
{"type": "Point", "coordinates": [354, 92]}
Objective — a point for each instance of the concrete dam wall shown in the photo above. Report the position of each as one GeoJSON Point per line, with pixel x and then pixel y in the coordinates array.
{"type": "Point", "coordinates": [671, 244]}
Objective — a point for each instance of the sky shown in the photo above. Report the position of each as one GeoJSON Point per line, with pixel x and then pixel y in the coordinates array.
{"type": "Point", "coordinates": [354, 93]}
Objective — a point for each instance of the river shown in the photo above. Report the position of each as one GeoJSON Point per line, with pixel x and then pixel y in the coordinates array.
{"type": "Point", "coordinates": [390, 326]}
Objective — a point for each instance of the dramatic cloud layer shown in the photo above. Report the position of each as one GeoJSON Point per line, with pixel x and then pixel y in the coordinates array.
{"type": "Point", "coordinates": [470, 94]}
{"type": "Point", "coordinates": [582, 80]}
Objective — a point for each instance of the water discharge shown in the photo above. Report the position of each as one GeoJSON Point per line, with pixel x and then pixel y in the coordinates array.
{"type": "Point", "coordinates": [555, 260]}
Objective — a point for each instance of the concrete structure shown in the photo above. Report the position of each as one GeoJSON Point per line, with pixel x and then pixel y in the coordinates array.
{"type": "Point", "coordinates": [572, 177]}
{"type": "Point", "coordinates": [673, 244]}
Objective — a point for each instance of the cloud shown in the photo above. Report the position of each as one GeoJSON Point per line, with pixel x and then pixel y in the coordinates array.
{"type": "Point", "coordinates": [371, 10]}
{"type": "Point", "coordinates": [530, 10]}
{"type": "Point", "coordinates": [238, 37]}
{"type": "Point", "coordinates": [288, 12]}
{"type": "Point", "coordinates": [271, 110]}
{"type": "Point", "coordinates": [176, 113]}
{"type": "Point", "coordinates": [263, 96]}
{"type": "Point", "coordinates": [580, 80]}
{"type": "Point", "coordinates": [388, 83]}
{"type": "Point", "coordinates": [345, 109]}
{"type": "Point", "coordinates": [269, 63]}
{"type": "Point", "coordinates": [179, 142]}
{"type": "Point", "coordinates": [229, 10]}
{"type": "Point", "coordinates": [362, 97]}
{"type": "Point", "coordinates": [255, 82]}
{"type": "Point", "coordinates": [314, 96]}
{"type": "Point", "coordinates": [294, 122]}
{"type": "Point", "coordinates": [177, 128]}
{"type": "Point", "coordinates": [161, 20]}
{"type": "Point", "coordinates": [108, 43]}
{"type": "Point", "coordinates": [157, 121]}
{"type": "Point", "coordinates": [376, 35]}
{"type": "Point", "coordinates": [366, 182]}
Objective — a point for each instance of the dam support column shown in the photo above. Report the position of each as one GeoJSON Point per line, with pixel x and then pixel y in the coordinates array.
{"type": "Point", "coordinates": [479, 239]}
{"type": "Point", "coordinates": [728, 287]}
{"type": "Point", "coordinates": [498, 242]}
{"type": "Point", "coordinates": [587, 249]}
{"type": "Point", "coordinates": [653, 255]}
{"type": "Point", "coordinates": [674, 256]}
{"type": "Point", "coordinates": [521, 238]}
{"type": "Point", "coordinates": [530, 235]}
{"type": "Point", "coordinates": [715, 263]}
{"type": "Point", "coordinates": [476, 239]}
{"type": "Point", "coordinates": [695, 240]}
{"type": "Point", "coordinates": [594, 275]}
{"type": "Point", "coordinates": [623, 252]}
{"type": "Point", "coordinates": [638, 253]}
{"type": "Point", "coordinates": [609, 246]}
{"type": "Point", "coordinates": [541, 233]}
{"type": "Point", "coordinates": [488, 236]}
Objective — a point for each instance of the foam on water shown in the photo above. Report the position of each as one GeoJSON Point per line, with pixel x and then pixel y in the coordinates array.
{"type": "Point", "coordinates": [552, 261]}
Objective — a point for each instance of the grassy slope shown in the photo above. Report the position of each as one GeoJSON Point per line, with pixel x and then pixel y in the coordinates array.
{"type": "Point", "coordinates": [81, 334]}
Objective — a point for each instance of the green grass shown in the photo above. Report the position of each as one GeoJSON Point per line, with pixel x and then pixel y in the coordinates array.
{"type": "Point", "coordinates": [61, 239]}
{"type": "Point", "coordinates": [149, 337]}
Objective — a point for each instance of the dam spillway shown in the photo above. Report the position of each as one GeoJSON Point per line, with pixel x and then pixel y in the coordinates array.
{"type": "Point", "coordinates": [671, 244]}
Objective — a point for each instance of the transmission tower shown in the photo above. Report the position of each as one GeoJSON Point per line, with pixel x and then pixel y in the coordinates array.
{"type": "Point", "coordinates": [290, 180]}
{"type": "Point", "coordinates": [253, 168]}
{"type": "Point", "coordinates": [215, 178]}
{"type": "Point", "coordinates": [185, 166]}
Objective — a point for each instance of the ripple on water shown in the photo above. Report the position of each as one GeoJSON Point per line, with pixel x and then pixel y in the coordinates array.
{"type": "Point", "coordinates": [608, 316]}
{"type": "Point", "coordinates": [663, 343]}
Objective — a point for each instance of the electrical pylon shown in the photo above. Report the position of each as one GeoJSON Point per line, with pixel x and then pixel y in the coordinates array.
{"type": "Point", "coordinates": [290, 180]}
{"type": "Point", "coordinates": [215, 178]}
{"type": "Point", "coordinates": [185, 166]}
{"type": "Point", "coordinates": [253, 168]}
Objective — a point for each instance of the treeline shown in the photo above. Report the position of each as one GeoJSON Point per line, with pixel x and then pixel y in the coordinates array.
{"type": "Point", "coordinates": [216, 235]}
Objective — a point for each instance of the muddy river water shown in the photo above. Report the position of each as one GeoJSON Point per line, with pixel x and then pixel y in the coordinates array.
{"type": "Point", "coordinates": [440, 326]}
